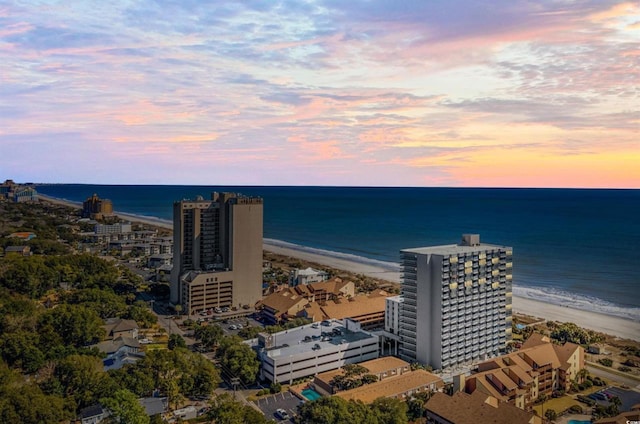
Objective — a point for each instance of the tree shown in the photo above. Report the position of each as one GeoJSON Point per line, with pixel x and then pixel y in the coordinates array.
{"type": "Point", "coordinates": [335, 410]}
{"type": "Point", "coordinates": [209, 335]}
{"type": "Point", "coordinates": [141, 313]}
{"type": "Point", "coordinates": [550, 414]}
{"type": "Point", "coordinates": [390, 410]}
{"type": "Point", "coordinates": [104, 301]}
{"type": "Point", "coordinates": [19, 349]}
{"type": "Point", "coordinates": [225, 410]}
{"type": "Point", "coordinates": [238, 359]}
{"type": "Point", "coordinates": [27, 404]}
{"type": "Point", "coordinates": [176, 340]}
{"type": "Point", "coordinates": [76, 325]}
{"type": "Point", "coordinates": [133, 378]}
{"type": "Point", "coordinates": [415, 409]}
{"type": "Point", "coordinates": [125, 408]}
{"type": "Point", "coordinates": [82, 379]}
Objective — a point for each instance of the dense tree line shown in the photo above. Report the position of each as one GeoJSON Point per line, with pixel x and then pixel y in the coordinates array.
{"type": "Point", "coordinates": [335, 410]}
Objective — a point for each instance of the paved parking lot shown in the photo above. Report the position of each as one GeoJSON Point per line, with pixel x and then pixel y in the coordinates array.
{"type": "Point", "coordinates": [627, 397]}
{"type": "Point", "coordinates": [227, 323]}
{"type": "Point", "coordinates": [284, 400]}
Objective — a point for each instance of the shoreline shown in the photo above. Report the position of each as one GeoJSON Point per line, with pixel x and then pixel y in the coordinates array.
{"type": "Point", "coordinates": [604, 323]}
{"type": "Point", "coordinates": [608, 324]}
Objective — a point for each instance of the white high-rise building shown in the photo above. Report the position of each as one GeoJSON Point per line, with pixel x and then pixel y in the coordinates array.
{"type": "Point", "coordinates": [456, 302]}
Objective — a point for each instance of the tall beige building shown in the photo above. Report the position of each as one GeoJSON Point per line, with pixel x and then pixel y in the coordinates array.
{"type": "Point", "coordinates": [456, 305]}
{"type": "Point", "coordinates": [217, 258]}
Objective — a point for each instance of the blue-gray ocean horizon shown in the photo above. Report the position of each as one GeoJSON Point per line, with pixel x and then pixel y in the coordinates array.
{"type": "Point", "coordinates": [572, 247]}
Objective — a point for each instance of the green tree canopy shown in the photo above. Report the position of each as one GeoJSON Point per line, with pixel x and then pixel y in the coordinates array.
{"type": "Point", "coordinates": [209, 335]}
{"type": "Point", "coordinates": [225, 410]}
{"type": "Point", "coordinates": [238, 359]}
{"type": "Point", "coordinates": [125, 408]}
{"type": "Point", "coordinates": [75, 325]}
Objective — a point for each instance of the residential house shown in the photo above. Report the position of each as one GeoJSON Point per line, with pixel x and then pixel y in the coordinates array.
{"type": "Point", "coordinates": [307, 276]}
{"type": "Point", "coordinates": [17, 250]}
{"type": "Point", "coordinates": [93, 414]}
{"type": "Point", "coordinates": [116, 327]}
{"type": "Point", "coordinates": [120, 351]}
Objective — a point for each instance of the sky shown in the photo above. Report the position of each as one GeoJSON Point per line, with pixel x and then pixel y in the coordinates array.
{"type": "Point", "coordinates": [515, 93]}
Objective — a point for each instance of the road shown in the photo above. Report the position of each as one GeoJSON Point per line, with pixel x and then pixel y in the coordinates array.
{"type": "Point", "coordinates": [599, 372]}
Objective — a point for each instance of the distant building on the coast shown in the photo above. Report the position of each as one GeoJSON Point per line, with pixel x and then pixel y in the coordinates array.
{"type": "Point", "coordinates": [96, 208]}
{"type": "Point", "coordinates": [456, 302]}
{"type": "Point", "coordinates": [217, 258]}
{"type": "Point", "coordinates": [18, 193]}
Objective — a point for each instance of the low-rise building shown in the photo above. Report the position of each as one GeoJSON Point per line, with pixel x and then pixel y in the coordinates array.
{"type": "Point", "coordinates": [401, 387]}
{"type": "Point", "coordinates": [25, 194]}
{"type": "Point", "coordinates": [313, 349]}
{"type": "Point", "coordinates": [381, 368]}
{"type": "Point", "coordinates": [307, 276]}
{"type": "Point", "coordinates": [290, 302]}
{"type": "Point", "coordinates": [463, 408]}
{"type": "Point", "coordinates": [159, 259]}
{"type": "Point", "coordinates": [22, 235]}
{"type": "Point", "coordinates": [368, 310]}
{"type": "Point", "coordinates": [17, 250]}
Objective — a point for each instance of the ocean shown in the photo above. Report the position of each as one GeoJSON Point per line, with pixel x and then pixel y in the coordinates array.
{"type": "Point", "coordinates": [573, 247]}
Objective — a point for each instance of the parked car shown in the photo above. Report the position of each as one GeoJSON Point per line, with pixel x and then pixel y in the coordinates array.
{"type": "Point", "coordinates": [281, 414]}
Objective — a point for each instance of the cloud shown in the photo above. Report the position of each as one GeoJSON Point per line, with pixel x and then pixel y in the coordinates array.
{"type": "Point", "coordinates": [324, 91]}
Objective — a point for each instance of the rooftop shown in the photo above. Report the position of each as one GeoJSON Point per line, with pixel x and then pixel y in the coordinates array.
{"type": "Point", "coordinates": [391, 386]}
{"type": "Point", "coordinates": [477, 407]}
{"type": "Point", "coordinates": [292, 342]}
{"type": "Point", "coordinates": [453, 249]}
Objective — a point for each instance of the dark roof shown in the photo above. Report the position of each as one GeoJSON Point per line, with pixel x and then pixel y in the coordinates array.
{"type": "Point", "coordinates": [154, 405]}
{"type": "Point", "coordinates": [91, 411]}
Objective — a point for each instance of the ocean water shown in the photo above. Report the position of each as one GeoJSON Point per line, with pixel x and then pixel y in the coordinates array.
{"type": "Point", "coordinates": [573, 247]}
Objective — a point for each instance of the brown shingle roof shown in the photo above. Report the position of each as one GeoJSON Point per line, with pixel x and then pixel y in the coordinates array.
{"type": "Point", "coordinates": [475, 408]}
{"type": "Point", "coordinates": [356, 307]}
{"type": "Point", "coordinates": [392, 386]}
{"type": "Point", "coordinates": [283, 301]}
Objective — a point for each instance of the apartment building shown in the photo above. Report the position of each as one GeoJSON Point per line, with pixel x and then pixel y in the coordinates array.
{"type": "Point", "coordinates": [217, 252]}
{"type": "Point", "coordinates": [538, 368]}
{"type": "Point", "coordinates": [456, 302]}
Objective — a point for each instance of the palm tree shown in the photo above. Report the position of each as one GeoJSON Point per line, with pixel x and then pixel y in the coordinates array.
{"type": "Point", "coordinates": [582, 375]}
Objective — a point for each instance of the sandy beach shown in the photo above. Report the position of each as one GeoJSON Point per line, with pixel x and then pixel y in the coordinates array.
{"type": "Point", "coordinates": [607, 324]}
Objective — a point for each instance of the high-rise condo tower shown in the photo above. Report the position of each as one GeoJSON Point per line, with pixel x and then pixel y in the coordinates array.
{"type": "Point", "coordinates": [217, 258]}
{"type": "Point", "coordinates": [456, 302]}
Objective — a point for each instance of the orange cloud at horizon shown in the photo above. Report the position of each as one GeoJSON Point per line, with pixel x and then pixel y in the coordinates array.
{"type": "Point", "coordinates": [532, 168]}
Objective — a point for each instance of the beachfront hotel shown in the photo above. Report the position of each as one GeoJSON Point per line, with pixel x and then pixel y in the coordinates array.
{"type": "Point", "coordinates": [456, 306]}
{"type": "Point", "coordinates": [217, 260]}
